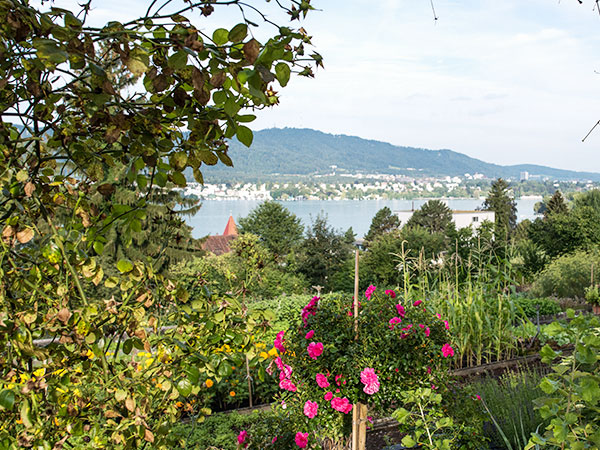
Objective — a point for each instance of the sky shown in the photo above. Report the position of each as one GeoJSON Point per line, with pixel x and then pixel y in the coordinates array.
{"type": "Point", "coordinates": [508, 82]}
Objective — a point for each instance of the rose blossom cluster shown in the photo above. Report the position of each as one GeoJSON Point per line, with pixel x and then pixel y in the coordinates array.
{"type": "Point", "coordinates": [310, 309]}
{"type": "Point", "coordinates": [369, 291]}
{"type": "Point", "coordinates": [369, 378]}
{"type": "Point", "coordinates": [285, 375]}
{"type": "Point", "coordinates": [278, 342]}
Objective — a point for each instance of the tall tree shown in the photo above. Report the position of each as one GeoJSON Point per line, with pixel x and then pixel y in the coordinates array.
{"type": "Point", "coordinates": [504, 207]}
{"type": "Point", "coordinates": [278, 228]}
{"type": "Point", "coordinates": [556, 205]}
{"type": "Point", "coordinates": [434, 216]}
{"type": "Point", "coordinates": [384, 221]}
{"type": "Point", "coordinates": [323, 253]}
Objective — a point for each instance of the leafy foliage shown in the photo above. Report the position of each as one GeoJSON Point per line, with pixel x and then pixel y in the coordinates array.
{"type": "Point", "coordinates": [323, 252]}
{"type": "Point", "coordinates": [383, 222]}
{"type": "Point", "coordinates": [68, 126]}
{"type": "Point", "coordinates": [280, 230]}
{"type": "Point", "coordinates": [434, 216]}
{"type": "Point", "coordinates": [504, 207]}
{"type": "Point", "coordinates": [572, 389]}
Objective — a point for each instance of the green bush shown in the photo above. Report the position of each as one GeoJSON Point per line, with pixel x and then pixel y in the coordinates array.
{"type": "Point", "coordinates": [546, 305]}
{"type": "Point", "coordinates": [217, 432]}
{"type": "Point", "coordinates": [567, 276]}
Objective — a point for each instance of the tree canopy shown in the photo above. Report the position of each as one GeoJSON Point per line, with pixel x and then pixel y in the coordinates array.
{"type": "Point", "coordinates": [504, 207]}
{"type": "Point", "coordinates": [434, 216]}
{"type": "Point", "coordinates": [275, 225]}
{"type": "Point", "coordinates": [66, 123]}
{"type": "Point", "coordinates": [384, 221]}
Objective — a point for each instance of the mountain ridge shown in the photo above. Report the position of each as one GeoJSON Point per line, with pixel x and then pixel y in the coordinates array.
{"type": "Point", "coordinates": [305, 151]}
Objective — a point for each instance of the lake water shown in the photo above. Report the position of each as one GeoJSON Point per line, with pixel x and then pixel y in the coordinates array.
{"type": "Point", "coordinates": [342, 214]}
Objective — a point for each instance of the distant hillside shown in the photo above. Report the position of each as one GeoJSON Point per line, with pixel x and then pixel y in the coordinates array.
{"type": "Point", "coordinates": [306, 151]}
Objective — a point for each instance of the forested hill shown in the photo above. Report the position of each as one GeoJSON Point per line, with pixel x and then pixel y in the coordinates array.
{"type": "Point", "coordinates": [307, 151]}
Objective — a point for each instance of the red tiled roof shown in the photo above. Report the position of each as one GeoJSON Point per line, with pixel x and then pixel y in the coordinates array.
{"type": "Point", "coordinates": [218, 244]}
{"type": "Point", "coordinates": [230, 228]}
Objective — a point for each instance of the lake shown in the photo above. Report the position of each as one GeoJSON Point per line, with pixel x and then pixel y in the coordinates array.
{"type": "Point", "coordinates": [342, 214]}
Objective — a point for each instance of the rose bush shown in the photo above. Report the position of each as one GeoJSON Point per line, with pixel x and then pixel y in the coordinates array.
{"type": "Point", "coordinates": [325, 367]}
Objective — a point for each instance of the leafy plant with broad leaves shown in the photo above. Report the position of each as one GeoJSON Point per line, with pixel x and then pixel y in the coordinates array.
{"type": "Point", "coordinates": [70, 375]}
{"type": "Point", "coordinates": [572, 401]}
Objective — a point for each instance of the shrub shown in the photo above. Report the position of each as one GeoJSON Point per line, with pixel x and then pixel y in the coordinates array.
{"type": "Point", "coordinates": [567, 276]}
{"type": "Point", "coordinates": [325, 370]}
{"type": "Point", "coordinates": [547, 306]}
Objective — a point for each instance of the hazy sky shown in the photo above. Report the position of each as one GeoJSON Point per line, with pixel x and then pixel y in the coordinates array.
{"type": "Point", "coordinates": [509, 82]}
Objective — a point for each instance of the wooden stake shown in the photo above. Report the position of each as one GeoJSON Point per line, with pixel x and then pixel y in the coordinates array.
{"type": "Point", "coordinates": [356, 295]}
{"type": "Point", "coordinates": [249, 381]}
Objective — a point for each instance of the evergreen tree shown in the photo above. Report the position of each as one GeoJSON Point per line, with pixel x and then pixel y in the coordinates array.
{"type": "Point", "coordinates": [505, 207]}
{"type": "Point", "coordinates": [384, 221]}
{"type": "Point", "coordinates": [278, 228]}
{"type": "Point", "coordinates": [323, 253]}
{"type": "Point", "coordinates": [556, 205]}
{"type": "Point", "coordinates": [434, 216]}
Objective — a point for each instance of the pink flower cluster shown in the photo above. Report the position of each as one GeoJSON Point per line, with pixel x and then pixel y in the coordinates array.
{"type": "Point", "coordinates": [311, 409]}
{"type": "Point", "coordinates": [315, 349]}
{"type": "Point", "coordinates": [369, 378]}
{"type": "Point", "coordinates": [417, 303]}
{"type": "Point", "coordinates": [341, 404]}
{"type": "Point", "coordinates": [394, 321]}
{"type": "Point", "coordinates": [391, 293]}
{"type": "Point", "coordinates": [447, 351]}
{"type": "Point", "coordinates": [278, 342]}
{"type": "Point", "coordinates": [301, 439]}
{"type": "Point", "coordinates": [242, 437]}
{"type": "Point", "coordinates": [310, 309]}
{"type": "Point", "coordinates": [310, 334]}
{"type": "Point", "coordinates": [322, 381]}
{"type": "Point", "coordinates": [285, 374]}
{"type": "Point", "coordinates": [369, 291]}
{"type": "Point", "coordinates": [401, 311]}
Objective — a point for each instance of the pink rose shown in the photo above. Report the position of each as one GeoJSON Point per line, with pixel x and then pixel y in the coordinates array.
{"type": "Point", "coordinates": [446, 325]}
{"type": "Point", "coordinates": [310, 334]}
{"type": "Point", "coordinates": [310, 409]}
{"type": "Point", "coordinates": [391, 293]}
{"type": "Point", "coordinates": [341, 404]}
{"type": "Point", "coordinates": [278, 343]}
{"type": "Point", "coordinates": [301, 439]}
{"type": "Point", "coordinates": [417, 303]}
{"type": "Point", "coordinates": [369, 291]}
{"type": "Point", "coordinates": [242, 437]}
{"type": "Point", "coordinates": [394, 321]}
{"type": "Point", "coordinates": [310, 309]}
{"type": "Point", "coordinates": [287, 385]}
{"type": "Point", "coordinates": [427, 331]}
{"type": "Point", "coordinates": [400, 310]}
{"type": "Point", "coordinates": [369, 378]}
{"type": "Point", "coordinates": [328, 396]}
{"type": "Point", "coordinates": [447, 350]}
{"type": "Point", "coordinates": [315, 349]}
{"type": "Point", "coordinates": [322, 381]}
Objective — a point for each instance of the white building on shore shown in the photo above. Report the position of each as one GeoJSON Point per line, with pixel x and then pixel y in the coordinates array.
{"type": "Point", "coordinates": [461, 219]}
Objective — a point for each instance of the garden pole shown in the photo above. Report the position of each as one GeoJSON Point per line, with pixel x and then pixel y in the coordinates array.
{"type": "Point", "coordinates": [359, 412]}
{"type": "Point", "coordinates": [249, 381]}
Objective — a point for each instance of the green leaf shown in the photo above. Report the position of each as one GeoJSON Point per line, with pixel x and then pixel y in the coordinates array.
{"type": "Point", "coordinates": [125, 266]}
{"type": "Point", "coordinates": [25, 413]}
{"type": "Point", "coordinates": [246, 118]}
{"type": "Point", "coordinates": [401, 415]}
{"type": "Point", "coordinates": [238, 33]}
{"type": "Point", "coordinates": [244, 135]}
{"type": "Point", "coordinates": [178, 60]}
{"type": "Point", "coordinates": [179, 179]}
{"type": "Point", "coordinates": [282, 71]}
{"type": "Point", "coordinates": [547, 354]}
{"type": "Point", "coordinates": [584, 354]}
{"type": "Point", "coordinates": [138, 62]}
{"type": "Point", "coordinates": [7, 399]}
{"type": "Point", "coordinates": [220, 36]}
{"type": "Point", "coordinates": [548, 386]}
{"type": "Point", "coordinates": [120, 395]}
{"type": "Point", "coordinates": [408, 441]}
{"type": "Point", "coordinates": [590, 391]}
{"type": "Point", "coordinates": [98, 247]}
{"type": "Point", "coordinates": [127, 346]}
{"type": "Point", "coordinates": [184, 387]}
